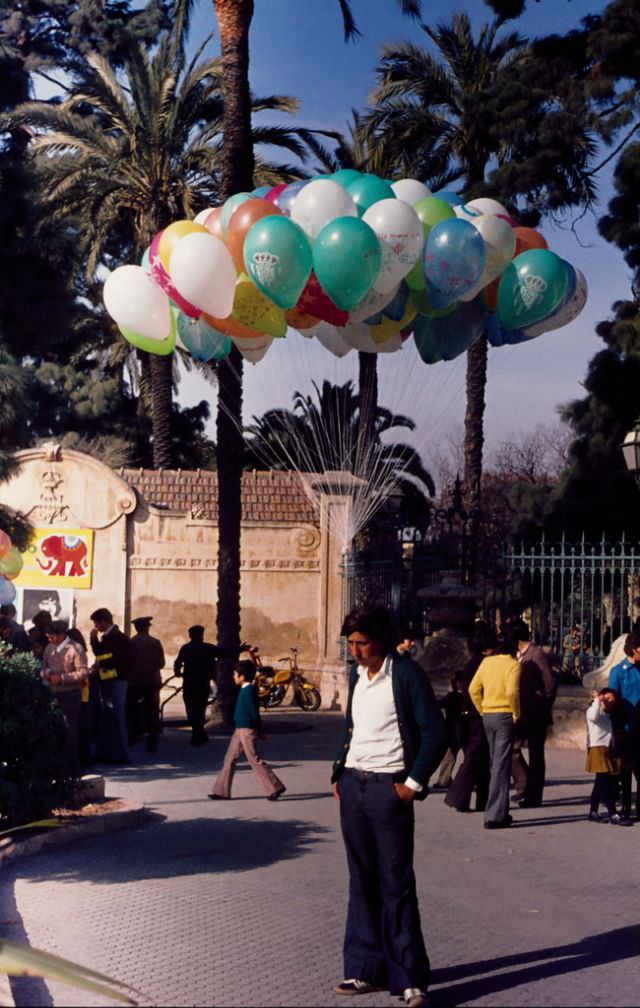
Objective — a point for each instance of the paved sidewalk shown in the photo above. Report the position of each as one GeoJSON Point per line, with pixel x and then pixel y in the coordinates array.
{"type": "Point", "coordinates": [243, 902]}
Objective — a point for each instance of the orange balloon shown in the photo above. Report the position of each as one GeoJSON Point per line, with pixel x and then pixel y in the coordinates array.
{"type": "Point", "coordinates": [242, 220]}
{"type": "Point", "coordinates": [300, 320]}
{"type": "Point", "coordinates": [212, 223]}
{"type": "Point", "coordinates": [231, 327]}
{"type": "Point", "coordinates": [489, 295]}
{"type": "Point", "coordinates": [528, 238]}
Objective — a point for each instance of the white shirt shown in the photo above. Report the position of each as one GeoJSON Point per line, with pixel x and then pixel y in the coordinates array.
{"type": "Point", "coordinates": [598, 726]}
{"type": "Point", "coordinates": [376, 743]}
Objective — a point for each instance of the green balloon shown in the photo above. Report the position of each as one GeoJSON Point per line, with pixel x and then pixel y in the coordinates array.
{"type": "Point", "coordinates": [531, 287]}
{"type": "Point", "coordinates": [160, 347]}
{"type": "Point", "coordinates": [415, 278]}
{"type": "Point", "coordinates": [431, 211]}
{"type": "Point", "coordinates": [420, 300]}
{"type": "Point", "coordinates": [367, 190]}
{"type": "Point", "coordinates": [277, 257]}
{"type": "Point", "coordinates": [346, 260]}
{"type": "Point", "coordinates": [424, 340]}
{"type": "Point", "coordinates": [230, 206]}
{"type": "Point", "coordinates": [345, 176]}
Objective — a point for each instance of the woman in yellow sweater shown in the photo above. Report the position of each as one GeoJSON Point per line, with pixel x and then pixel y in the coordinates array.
{"type": "Point", "coordinates": [495, 692]}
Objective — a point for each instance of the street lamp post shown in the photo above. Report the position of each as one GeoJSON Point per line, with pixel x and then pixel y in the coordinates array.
{"type": "Point", "coordinates": [631, 451]}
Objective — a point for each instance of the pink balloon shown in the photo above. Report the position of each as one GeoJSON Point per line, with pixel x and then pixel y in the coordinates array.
{"type": "Point", "coordinates": [160, 276]}
{"type": "Point", "coordinates": [509, 220]}
{"type": "Point", "coordinates": [273, 194]}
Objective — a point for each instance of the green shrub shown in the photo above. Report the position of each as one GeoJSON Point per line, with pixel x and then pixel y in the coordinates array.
{"type": "Point", "coordinates": [35, 772]}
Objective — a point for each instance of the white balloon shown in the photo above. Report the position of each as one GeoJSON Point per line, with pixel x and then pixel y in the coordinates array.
{"type": "Point", "coordinates": [485, 205]}
{"type": "Point", "coordinates": [410, 190]}
{"type": "Point", "coordinates": [135, 302]}
{"type": "Point", "coordinates": [500, 245]}
{"type": "Point", "coordinates": [400, 233]}
{"type": "Point", "coordinates": [360, 338]}
{"type": "Point", "coordinates": [253, 348]}
{"type": "Point", "coordinates": [202, 216]}
{"type": "Point", "coordinates": [320, 202]}
{"type": "Point", "coordinates": [373, 302]}
{"type": "Point", "coordinates": [566, 313]}
{"type": "Point", "coordinates": [332, 339]}
{"type": "Point", "coordinates": [202, 270]}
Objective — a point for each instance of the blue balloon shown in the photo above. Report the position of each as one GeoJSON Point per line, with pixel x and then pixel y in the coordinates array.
{"type": "Point", "coordinates": [454, 334]}
{"type": "Point", "coordinates": [495, 332]}
{"type": "Point", "coordinates": [514, 336]}
{"type": "Point", "coordinates": [452, 198]}
{"type": "Point", "coordinates": [261, 191]}
{"type": "Point", "coordinates": [396, 307]}
{"type": "Point", "coordinates": [7, 591]}
{"type": "Point", "coordinates": [203, 342]}
{"type": "Point", "coordinates": [424, 340]}
{"type": "Point", "coordinates": [284, 200]}
{"type": "Point", "coordinates": [454, 258]}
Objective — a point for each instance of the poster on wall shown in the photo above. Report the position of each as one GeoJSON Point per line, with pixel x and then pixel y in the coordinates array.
{"type": "Point", "coordinates": [57, 601]}
{"type": "Point", "coordinates": [60, 558]}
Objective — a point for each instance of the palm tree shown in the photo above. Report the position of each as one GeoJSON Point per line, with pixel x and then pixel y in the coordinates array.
{"type": "Point", "coordinates": [322, 434]}
{"type": "Point", "coordinates": [131, 150]}
{"type": "Point", "coordinates": [234, 21]}
{"type": "Point", "coordinates": [442, 116]}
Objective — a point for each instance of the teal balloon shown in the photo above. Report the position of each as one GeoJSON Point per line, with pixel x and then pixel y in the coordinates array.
{"type": "Point", "coordinates": [261, 191]}
{"type": "Point", "coordinates": [531, 287]}
{"type": "Point", "coordinates": [424, 340]}
{"type": "Point", "coordinates": [346, 260]}
{"type": "Point", "coordinates": [455, 333]}
{"type": "Point", "coordinates": [367, 190]}
{"type": "Point", "coordinates": [203, 342]}
{"type": "Point", "coordinates": [277, 257]}
{"type": "Point", "coordinates": [345, 176]}
{"type": "Point", "coordinates": [230, 206]}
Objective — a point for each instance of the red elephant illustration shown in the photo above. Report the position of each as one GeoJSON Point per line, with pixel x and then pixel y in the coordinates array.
{"type": "Point", "coordinates": [62, 550]}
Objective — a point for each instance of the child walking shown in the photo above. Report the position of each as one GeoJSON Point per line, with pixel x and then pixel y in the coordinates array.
{"type": "Point", "coordinates": [599, 762]}
{"type": "Point", "coordinates": [248, 728]}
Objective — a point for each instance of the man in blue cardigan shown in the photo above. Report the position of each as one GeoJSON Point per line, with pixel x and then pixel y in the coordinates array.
{"type": "Point", "coordinates": [394, 739]}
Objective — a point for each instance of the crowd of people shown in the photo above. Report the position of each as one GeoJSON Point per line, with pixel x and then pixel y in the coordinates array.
{"type": "Point", "coordinates": [109, 692]}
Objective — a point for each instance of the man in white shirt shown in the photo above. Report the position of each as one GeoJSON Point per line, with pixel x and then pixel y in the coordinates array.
{"type": "Point", "coordinates": [394, 739]}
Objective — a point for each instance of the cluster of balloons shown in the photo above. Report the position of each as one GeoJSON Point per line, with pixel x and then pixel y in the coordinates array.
{"type": "Point", "coordinates": [11, 564]}
{"type": "Point", "coordinates": [350, 259]}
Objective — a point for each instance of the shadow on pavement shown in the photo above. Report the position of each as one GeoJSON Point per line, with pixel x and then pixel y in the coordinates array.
{"type": "Point", "coordinates": [529, 967]}
{"type": "Point", "coordinates": [168, 849]}
{"type": "Point", "coordinates": [25, 990]}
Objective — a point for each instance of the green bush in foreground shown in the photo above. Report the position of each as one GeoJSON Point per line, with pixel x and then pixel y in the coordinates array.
{"type": "Point", "coordinates": [35, 772]}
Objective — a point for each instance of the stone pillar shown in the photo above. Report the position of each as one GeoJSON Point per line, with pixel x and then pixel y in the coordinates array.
{"type": "Point", "coordinates": [335, 491]}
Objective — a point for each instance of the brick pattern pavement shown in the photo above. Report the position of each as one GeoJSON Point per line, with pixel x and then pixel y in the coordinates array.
{"type": "Point", "coordinates": [243, 902]}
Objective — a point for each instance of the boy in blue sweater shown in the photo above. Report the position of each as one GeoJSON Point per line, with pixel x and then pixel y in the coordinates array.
{"type": "Point", "coordinates": [248, 728]}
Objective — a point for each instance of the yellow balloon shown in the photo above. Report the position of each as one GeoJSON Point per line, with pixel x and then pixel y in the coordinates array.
{"type": "Point", "coordinates": [388, 328]}
{"type": "Point", "coordinates": [172, 234]}
{"type": "Point", "coordinates": [253, 309]}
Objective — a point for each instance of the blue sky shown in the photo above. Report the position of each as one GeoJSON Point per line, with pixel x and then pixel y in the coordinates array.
{"type": "Point", "coordinates": [297, 48]}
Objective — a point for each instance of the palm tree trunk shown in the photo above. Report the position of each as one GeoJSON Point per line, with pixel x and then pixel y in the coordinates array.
{"type": "Point", "coordinates": [367, 406]}
{"type": "Point", "coordinates": [161, 392]}
{"type": "Point", "coordinates": [234, 20]}
{"type": "Point", "coordinates": [473, 444]}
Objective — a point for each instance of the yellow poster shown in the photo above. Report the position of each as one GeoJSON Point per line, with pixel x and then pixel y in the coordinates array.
{"type": "Point", "coordinates": [60, 557]}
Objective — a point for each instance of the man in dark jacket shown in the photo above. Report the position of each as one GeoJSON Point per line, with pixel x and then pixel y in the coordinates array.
{"type": "Point", "coordinates": [394, 739]}
{"type": "Point", "coordinates": [145, 681]}
{"type": "Point", "coordinates": [113, 656]}
{"type": "Point", "coordinates": [196, 664]}
{"type": "Point", "coordinates": [537, 692]}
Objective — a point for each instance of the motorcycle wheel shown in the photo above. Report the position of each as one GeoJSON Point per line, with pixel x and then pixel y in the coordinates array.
{"type": "Point", "coordinates": [309, 699]}
{"type": "Point", "coordinates": [275, 696]}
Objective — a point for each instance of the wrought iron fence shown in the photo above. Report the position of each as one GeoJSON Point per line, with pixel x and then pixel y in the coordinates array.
{"type": "Point", "coordinates": [577, 597]}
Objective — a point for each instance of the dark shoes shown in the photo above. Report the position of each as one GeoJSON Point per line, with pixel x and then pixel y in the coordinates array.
{"type": "Point", "coordinates": [276, 794]}
{"type": "Point", "coordinates": [216, 797]}
{"type": "Point", "coordinates": [499, 824]}
{"type": "Point", "coordinates": [355, 987]}
{"type": "Point", "coordinates": [198, 740]}
{"type": "Point", "coordinates": [618, 820]}
{"type": "Point", "coordinates": [526, 803]}
{"type": "Point", "coordinates": [594, 817]}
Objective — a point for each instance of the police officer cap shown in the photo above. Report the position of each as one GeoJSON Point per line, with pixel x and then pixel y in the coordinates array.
{"type": "Point", "coordinates": [142, 621]}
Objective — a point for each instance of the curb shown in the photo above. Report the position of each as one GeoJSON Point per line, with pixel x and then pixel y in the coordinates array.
{"type": "Point", "coordinates": [110, 822]}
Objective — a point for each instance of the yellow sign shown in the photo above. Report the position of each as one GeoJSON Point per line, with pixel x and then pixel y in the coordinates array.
{"type": "Point", "coordinates": [60, 557]}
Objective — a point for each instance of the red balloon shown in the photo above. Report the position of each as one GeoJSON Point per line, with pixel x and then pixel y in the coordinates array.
{"type": "Point", "coordinates": [314, 301]}
{"type": "Point", "coordinates": [163, 280]}
{"type": "Point", "coordinates": [273, 194]}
